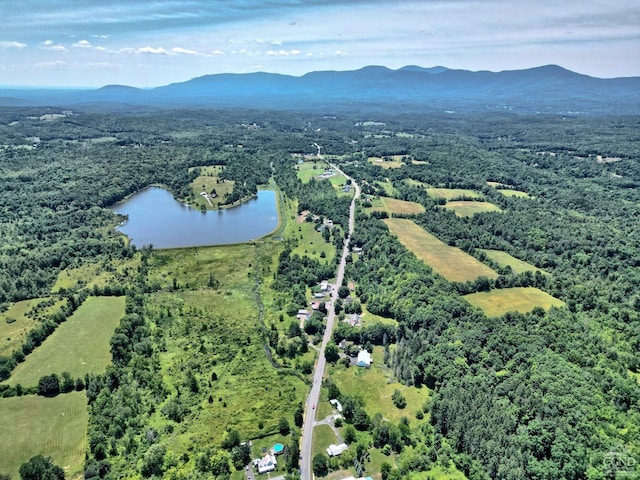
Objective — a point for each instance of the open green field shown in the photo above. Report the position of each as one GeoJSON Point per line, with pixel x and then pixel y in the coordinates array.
{"type": "Point", "coordinates": [217, 330]}
{"type": "Point", "coordinates": [396, 162]}
{"type": "Point", "coordinates": [468, 208]}
{"type": "Point", "coordinates": [78, 346]}
{"type": "Point", "coordinates": [310, 241]}
{"type": "Point", "coordinates": [415, 183]}
{"type": "Point", "coordinates": [513, 193]}
{"type": "Point", "coordinates": [308, 170]}
{"type": "Point", "coordinates": [368, 317]}
{"type": "Point", "coordinates": [450, 262]}
{"type": "Point", "coordinates": [52, 427]}
{"type": "Point", "coordinates": [393, 205]}
{"type": "Point", "coordinates": [13, 333]}
{"type": "Point", "coordinates": [504, 259]}
{"type": "Point", "coordinates": [376, 385]}
{"type": "Point", "coordinates": [323, 436]}
{"type": "Point", "coordinates": [209, 181]}
{"type": "Point", "coordinates": [387, 186]}
{"type": "Point", "coordinates": [521, 299]}
{"type": "Point", "coordinates": [451, 193]}
{"type": "Point", "coordinates": [95, 274]}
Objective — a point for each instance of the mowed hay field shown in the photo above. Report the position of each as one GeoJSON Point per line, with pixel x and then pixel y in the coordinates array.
{"type": "Point", "coordinates": [468, 208]}
{"type": "Point", "coordinates": [393, 205]}
{"type": "Point", "coordinates": [208, 181]}
{"type": "Point", "coordinates": [308, 170]}
{"type": "Point", "coordinates": [78, 346]}
{"type": "Point", "coordinates": [451, 193]}
{"type": "Point", "coordinates": [52, 427]}
{"type": "Point", "coordinates": [504, 259]}
{"type": "Point", "coordinates": [386, 164]}
{"type": "Point", "coordinates": [450, 262]}
{"type": "Point", "coordinates": [521, 299]}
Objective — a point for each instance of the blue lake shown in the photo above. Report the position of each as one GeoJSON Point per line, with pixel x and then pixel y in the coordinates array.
{"type": "Point", "coordinates": [156, 218]}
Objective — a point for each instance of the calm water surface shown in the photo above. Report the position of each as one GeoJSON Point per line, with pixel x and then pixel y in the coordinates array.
{"type": "Point", "coordinates": [155, 218]}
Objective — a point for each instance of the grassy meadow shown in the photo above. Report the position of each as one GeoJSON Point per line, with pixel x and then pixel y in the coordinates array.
{"type": "Point", "coordinates": [208, 181]}
{"type": "Point", "coordinates": [308, 170]}
{"type": "Point", "coordinates": [504, 259]}
{"type": "Point", "coordinates": [20, 318]}
{"type": "Point", "coordinates": [52, 427]}
{"type": "Point", "coordinates": [521, 299]}
{"type": "Point", "coordinates": [393, 205]}
{"type": "Point", "coordinates": [79, 346]}
{"type": "Point", "coordinates": [95, 274]}
{"type": "Point", "coordinates": [395, 162]}
{"type": "Point", "coordinates": [217, 329]}
{"type": "Point", "coordinates": [453, 193]}
{"type": "Point", "coordinates": [310, 242]}
{"type": "Point", "coordinates": [450, 262]}
{"type": "Point", "coordinates": [468, 208]}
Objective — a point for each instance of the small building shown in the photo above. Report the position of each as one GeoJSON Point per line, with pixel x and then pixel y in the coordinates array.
{"type": "Point", "coordinates": [303, 314]}
{"type": "Point", "coordinates": [336, 403]}
{"type": "Point", "coordinates": [324, 285]}
{"type": "Point", "coordinates": [335, 450]}
{"type": "Point", "coordinates": [364, 359]}
{"type": "Point", "coordinates": [318, 295]}
{"type": "Point", "coordinates": [268, 463]}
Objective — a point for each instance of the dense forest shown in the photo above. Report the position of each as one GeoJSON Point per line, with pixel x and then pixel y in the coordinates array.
{"type": "Point", "coordinates": [538, 395]}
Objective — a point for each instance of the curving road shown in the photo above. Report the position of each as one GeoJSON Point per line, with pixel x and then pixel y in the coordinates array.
{"type": "Point", "coordinates": [314, 395]}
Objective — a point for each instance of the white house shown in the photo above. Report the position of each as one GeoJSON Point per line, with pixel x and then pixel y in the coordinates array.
{"type": "Point", "coordinates": [335, 450]}
{"type": "Point", "coordinates": [266, 464]}
{"type": "Point", "coordinates": [364, 359]}
{"type": "Point", "coordinates": [336, 403]}
{"type": "Point", "coordinates": [324, 285]}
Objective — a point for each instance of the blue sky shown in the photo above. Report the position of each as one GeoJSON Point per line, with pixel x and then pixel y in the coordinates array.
{"type": "Point", "coordinates": [150, 43]}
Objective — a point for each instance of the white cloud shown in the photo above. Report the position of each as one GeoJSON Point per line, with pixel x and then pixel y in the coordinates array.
{"type": "Point", "coordinates": [282, 53]}
{"type": "Point", "coordinates": [153, 51]}
{"type": "Point", "coordinates": [341, 53]}
{"type": "Point", "coordinates": [82, 44]}
{"type": "Point", "coordinates": [49, 45]}
{"type": "Point", "coordinates": [49, 65]}
{"type": "Point", "coordinates": [12, 45]}
{"type": "Point", "coordinates": [184, 51]}
{"type": "Point", "coordinates": [217, 53]}
{"type": "Point", "coordinates": [276, 43]}
{"type": "Point", "coordinates": [101, 36]}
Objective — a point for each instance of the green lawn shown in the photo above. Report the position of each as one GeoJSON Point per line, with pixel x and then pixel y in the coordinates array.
{"type": "Point", "coordinates": [513, 193]}
{"type": "Point", "coordinates": [79, 346]}
{"type": "Point", "coordinates": [376, 385]}
{"type": "Point", "coordinates": [451, 193]}
{"type": "Point", "coordinates": [323, 436]}
{"type": "Point", "coordinates": [310, 242]}
{"type": "Point", "coordinates": [522, 299]}
{"type": "Point", "coordinates": [308, 170]}
{"type": "Point", "coordinates": [53, 427]}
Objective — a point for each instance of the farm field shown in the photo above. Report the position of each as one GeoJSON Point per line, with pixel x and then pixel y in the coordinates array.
{"type": "Point", "coordinates": [207, 182]}
{"type": "Point", "coordinates": [14, 332]}
{"type": "Point", "coordinates": [393, 205]}
{"type": "Point", "coordinates": [415, 183]}
{"type": "Point", "coordinates": [521, 299]}
{"type": "Point", "coordinates": [308, 170]}
{"type": "Point", "coordinates": [504, 259]}
{"type": "Point", "coordinates": [53, 427]}
{"type": "Point", "coordinates": [78, 346]}
{"type": "Point", "coordinates": [513, 193]}
{"type": "Point", "coordinates": [387, 164]}
{"type": "Point", "coordinates": [450, 262]}
{"type": "Point", "coordinates": [387, 186]}
{"type": "Point", "coordinates": [451, 193]}
{"type": "Point", "coordinates": [310, 242]}
{"type": "Point", "coordinates": [376, 385]}
{"type": "Point", "coordinates": [468, 208]}
{"type": "Point", "coordinates": [95, 274]}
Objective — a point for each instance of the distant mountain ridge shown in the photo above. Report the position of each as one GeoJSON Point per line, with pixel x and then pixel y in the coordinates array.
{"type": "Point", "coordinates": [545, 89]}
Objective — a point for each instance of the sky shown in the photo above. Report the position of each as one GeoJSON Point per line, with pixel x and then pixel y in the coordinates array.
{"type": "Point", "coordinates": [91, 43]}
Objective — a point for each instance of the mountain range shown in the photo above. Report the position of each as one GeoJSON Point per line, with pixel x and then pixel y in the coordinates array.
{"type": "Point", "coordinates": [546, 89]}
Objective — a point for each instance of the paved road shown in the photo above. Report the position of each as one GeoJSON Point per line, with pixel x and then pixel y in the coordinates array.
{"type": "Point", "coordinates": [314, 395]}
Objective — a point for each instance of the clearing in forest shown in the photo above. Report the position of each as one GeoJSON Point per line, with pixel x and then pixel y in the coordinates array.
{"type": "Point", "coordinates": [453, 193]}
{"type": "Point", "coordinates": [376, 385]}
{"type": "Point", "coordinates": [80, 345]}
{"type": "Point", "coordinates": [468, 208]}
{"type": "Point", "coordinates": [450, 262]}
{"type": "Point", "coordinates": [507, 191]}
{"type": "Point", "coordinates": [308, 170]}
{"type": "Point", "coordinates": [393, 205]}
{"type": "Point", "coordinates": [504, 259]}
{"type": "Point", "coordinates": [52, 427]}
{"type": "Point", "coordinates": [394, 161]}
{"type": "Point", "coordinates": [521, 299]}
{"type": "Point", "coordinates": [18, 320]}
{"type": "Point", "coordinates": [210, 183]}
{"type": "Point", "coordinates": [96, 274]}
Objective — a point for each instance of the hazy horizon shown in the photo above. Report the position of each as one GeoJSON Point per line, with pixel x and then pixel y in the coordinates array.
{"type": "Point", "coordinates": [54, 43]}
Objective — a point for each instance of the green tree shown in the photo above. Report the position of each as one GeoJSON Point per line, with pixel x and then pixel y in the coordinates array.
{"type": "Point", "coordinates": [331, 352]}
{"type": "Point", "coordinates": [283, 426]}
{"type": "Point", "coordinates": [153, 461]}
{"type": "Point", "coordinates": [40, 468]}
{"type": "Point", "coordinates": [49, 385]}
{"type": "Point", "coordinates": [320, 465]}
{"type": "Point", "coordinates": [241, 456]}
